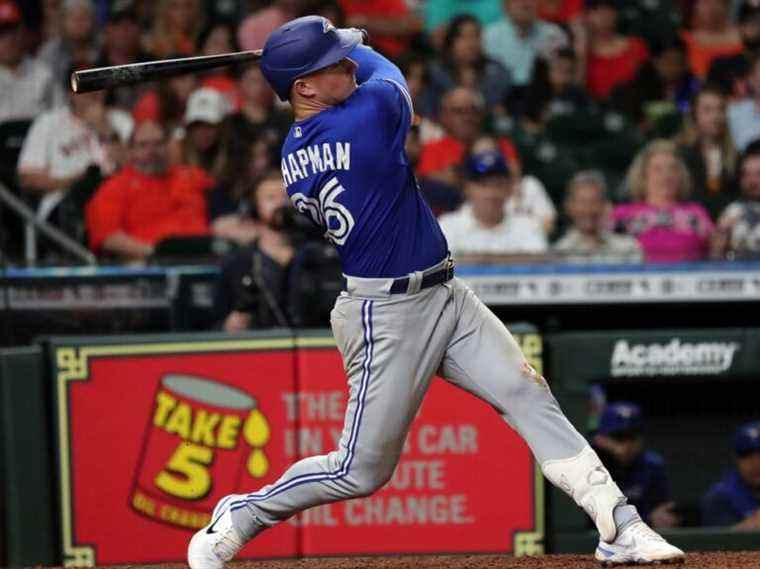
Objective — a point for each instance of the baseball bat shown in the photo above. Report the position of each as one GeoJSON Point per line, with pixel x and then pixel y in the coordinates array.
{"type": "Point", "coordinates": [118, 75]}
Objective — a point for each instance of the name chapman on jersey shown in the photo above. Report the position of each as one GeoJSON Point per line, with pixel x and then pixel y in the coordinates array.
{"type": "Point", "coordinates": [324, 157]}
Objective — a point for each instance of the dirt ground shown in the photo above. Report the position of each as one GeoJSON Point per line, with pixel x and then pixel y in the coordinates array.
{"type": "Point", "coordinates": [708, 560]}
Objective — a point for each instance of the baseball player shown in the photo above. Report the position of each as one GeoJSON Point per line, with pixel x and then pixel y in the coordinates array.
{"type": "Point", "coordinates": [403, 316]}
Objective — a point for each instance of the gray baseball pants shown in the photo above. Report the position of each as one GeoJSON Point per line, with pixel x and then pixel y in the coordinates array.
{"type": "Point", "coordinates": [392, 345]}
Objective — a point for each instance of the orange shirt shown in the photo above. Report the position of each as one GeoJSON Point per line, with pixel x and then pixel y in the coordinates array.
{"type": "Point", "coordinates": [603, 73]}
{"type": "Point", "coordinates": [149, 208]}
{"type": "Point", "coordinates": [447, 151]}
{"type": "Point", "coordinates": [701, 56]}
{"type": "Point", "coordinates": [388, 44]}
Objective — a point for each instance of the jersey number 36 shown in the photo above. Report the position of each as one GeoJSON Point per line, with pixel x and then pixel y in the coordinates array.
{"type": "Point", "coordinates": [327, 212]}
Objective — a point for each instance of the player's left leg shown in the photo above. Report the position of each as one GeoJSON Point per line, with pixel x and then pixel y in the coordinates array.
{"type": "Point", "coordinates": [484, 359]}
{"type": "Point", "coordinates": [391, 346]}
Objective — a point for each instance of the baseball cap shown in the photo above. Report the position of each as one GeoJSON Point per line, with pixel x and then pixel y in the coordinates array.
{"type": "Point", "coordinates": [483, 164]}
{"type": "Point", "coordinates": [747, 438]}
{"type": "Point", "coordinates": [619, 417]}
{"type": "Point", "coordinates": [749, 10]}
{"type": "Point", "coordinates": [206, 105]}
{"type": "Point", "coordinates": [10, 15]}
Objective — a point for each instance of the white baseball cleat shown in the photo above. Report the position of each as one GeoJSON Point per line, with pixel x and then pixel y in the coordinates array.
{"type": "Point", "coordinates": [637, 544]}
{"type": "Point", "coordinates": [212, 546]}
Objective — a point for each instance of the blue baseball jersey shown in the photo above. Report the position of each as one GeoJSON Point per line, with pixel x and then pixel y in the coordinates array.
{"type": "Point", "coordinates": [729, 502]}
{"type": "Point", "coordinates": [346, 168]}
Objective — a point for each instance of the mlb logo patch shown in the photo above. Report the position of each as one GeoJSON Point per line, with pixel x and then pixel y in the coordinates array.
{"type": "Point", "coordinates": [297, 132]}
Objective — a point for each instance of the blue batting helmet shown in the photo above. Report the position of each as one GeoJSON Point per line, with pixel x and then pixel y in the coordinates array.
{"type": "Point", "coordinates": [620, 417]}
{"type": "Point", "coordinates": [302, 46]}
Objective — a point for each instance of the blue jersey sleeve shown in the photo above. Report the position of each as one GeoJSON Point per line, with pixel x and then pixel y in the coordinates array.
{"type": "Point", "coordinates": [381, 77]}
{"type": "Point", "coordinates": [372, 65]}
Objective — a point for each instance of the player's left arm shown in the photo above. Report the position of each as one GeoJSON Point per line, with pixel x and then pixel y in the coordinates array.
{"type": "Point", "coordinates": [374, 66]}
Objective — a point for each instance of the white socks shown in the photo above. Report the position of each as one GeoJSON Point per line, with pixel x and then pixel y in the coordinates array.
{"type": "Point", "coordinates": [585, 480]}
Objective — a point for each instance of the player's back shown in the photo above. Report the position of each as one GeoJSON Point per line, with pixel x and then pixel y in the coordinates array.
{"type": "Point", "coordinates": [347, 169]}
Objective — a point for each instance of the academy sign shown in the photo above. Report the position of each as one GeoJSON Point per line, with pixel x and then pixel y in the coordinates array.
{"type": "Point", "coordinates": [672, 358]}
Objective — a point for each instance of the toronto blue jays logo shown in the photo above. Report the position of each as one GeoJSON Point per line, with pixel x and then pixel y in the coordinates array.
{"type": "Point", "coordinates": [327, 212]}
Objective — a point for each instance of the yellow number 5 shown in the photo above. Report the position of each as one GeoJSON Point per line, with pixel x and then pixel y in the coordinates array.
{"type": "Point", "coordinates": [185, 475]}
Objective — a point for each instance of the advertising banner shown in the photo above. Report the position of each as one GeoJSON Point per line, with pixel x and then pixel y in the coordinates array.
{"type": "Point", "coordinates": [153, 432]}
{"type": "Point", "coordinates": [621, 355]}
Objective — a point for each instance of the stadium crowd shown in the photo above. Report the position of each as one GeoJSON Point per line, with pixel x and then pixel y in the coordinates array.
{"type": "Point", "coordinates": [573, 130]}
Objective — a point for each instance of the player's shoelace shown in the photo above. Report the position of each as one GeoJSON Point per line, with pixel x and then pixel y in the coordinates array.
{"type": "Point", "coordinates": [641, 530]}
{"type": "Point", "coordinates": [227, 545]}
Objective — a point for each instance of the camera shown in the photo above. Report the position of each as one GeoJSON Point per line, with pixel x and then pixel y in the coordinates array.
{"type": "Point", "coordinates": [301, 294]}
{"type": "Point", "coordinates": [297, 227]}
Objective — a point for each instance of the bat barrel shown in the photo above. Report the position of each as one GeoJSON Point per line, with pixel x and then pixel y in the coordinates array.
{"type": "Point", "coordinates": [118, 75]}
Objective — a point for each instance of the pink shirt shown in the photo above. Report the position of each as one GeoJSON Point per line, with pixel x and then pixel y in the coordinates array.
{"type": "Point", "coordinates": [666, 234]}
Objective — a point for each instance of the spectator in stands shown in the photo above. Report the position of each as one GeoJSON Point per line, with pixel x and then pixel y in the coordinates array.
{"type": "Point", "coordinates": [483, 224]}
{"type": "Point", "coordinates": [254, 30]}
{"type": "Point", "coordinates": [63, 143]}
{"type": "Point", "coordinates": [27, 85]}
{"type": "Point", "coordinates": [554, 89]}
{"type": "Point", "coordinates": [201, 144]}
{"type": "Point", "coordinates": [735, 500]}
{"type": "Point", "coordinates": [529, 196]}
{"type": "Point", "coordinates": [730, 72]}
{"type": "Point", "coordinates": [464, 63]}
{"type": "Point", "coordinates": [229, 203]}
{"type": "Point", "coordinates": [438, 14]}
{"type": "Point", "coordinates": [712, 35]}
{"type": "Point", "coordinates": [641, 474]}
{"type": "Point", "coordinates": [667, 227]}
{"type": "Point", "coordinates": [462, 113]}
{"type": "Point", "coordinates": [258, 117]}
{"type": "Point", "coordinates": [709, 153]}
{"type": "Point", "coordinates": [215, 39]}
{"type": "Point", "coordinates": [76, 46]}
{"type": "Point", "coordinates": [391, 24]}
{"type": "Point", "coordinates": [176, 26]}
{"type": "Point", "coordinates": [167, 103]}
{"type": "Point", "coordinates": [147, 201]}
{"type": "Point", "coordinates": [663, 87]}
{"type": "Point", "coordinates": [738, 229]}
{"type": "Point", "coordinates": [251, 289]}
{"type": "Point", "coordinates": [121, 46]}
{"type": "Point", "coordinates": [519, 36]}
{"type": "Point", "coordinates": [744, 115]}
{"type": "Point", "coordinates": [440, 196]}
{"type": "Point", "coordinates": [425, 101]}
{"type": "Point", "coordinates": [587, 239]}
{"type": "Point", "coordinates": [610, 58]}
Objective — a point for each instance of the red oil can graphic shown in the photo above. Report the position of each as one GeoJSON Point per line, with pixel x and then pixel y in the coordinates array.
{"type": "Point", "coordinates": [202, 437]}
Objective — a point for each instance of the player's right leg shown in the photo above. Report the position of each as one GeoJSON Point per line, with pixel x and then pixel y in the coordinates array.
{"type": "Point", "coordinates": [388, 373]}
{"type": "Point", "coordinates": [484, 359]}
